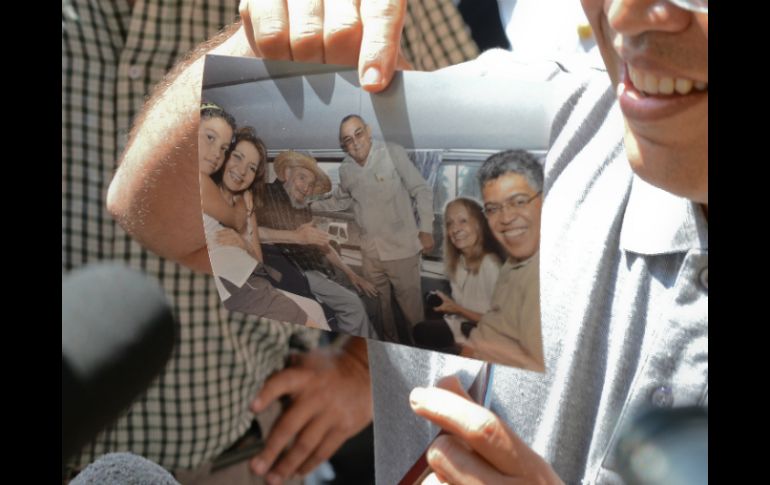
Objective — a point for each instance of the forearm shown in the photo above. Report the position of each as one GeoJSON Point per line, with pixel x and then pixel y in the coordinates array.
{"type": "Point", "coordinates": [494, 345]}
{"type": "Point", "coordinates": [417, 187]}
{"type": "Point", "coordinates": [424, 199]}
{"type": "Point", "coordinates": [257, 248]}
{"type": "Point", "coordinates": [336, 202]}
{"type": "Point", "coordinates": [155, 193]}
{"type": "Point", "coordinates": [335, 260]}
{"type": "Point", "coordinates": [228, 217]}
{"type": "Point", "coordinates": [229, 237]}
{"type": "Point", "coordinates": [469, 314]}
{"type": "Point", "coordinates": [273, 236]}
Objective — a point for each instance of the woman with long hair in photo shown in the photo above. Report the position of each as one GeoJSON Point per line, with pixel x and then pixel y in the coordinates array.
{"type": "Point", "coordinates": [243, 281]}
{"type": "Point", "coordinates": [472, 260]}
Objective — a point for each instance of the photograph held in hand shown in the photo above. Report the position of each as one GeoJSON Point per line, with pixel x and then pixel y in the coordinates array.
{"type": "Point", "coordinates": [394, 216]}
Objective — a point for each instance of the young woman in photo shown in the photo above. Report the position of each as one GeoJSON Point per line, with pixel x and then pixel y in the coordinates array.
{"type": "Point", "coordinates": [243, 281]}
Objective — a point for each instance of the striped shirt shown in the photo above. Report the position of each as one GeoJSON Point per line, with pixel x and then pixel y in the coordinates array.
{"type": "Point", "coordinates": [112, 55]}
{"type": "Point", "coordinates": [624, 308]}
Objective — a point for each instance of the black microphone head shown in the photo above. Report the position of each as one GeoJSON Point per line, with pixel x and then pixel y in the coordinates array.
{"type": "Point", "coordinates": [117, 334]}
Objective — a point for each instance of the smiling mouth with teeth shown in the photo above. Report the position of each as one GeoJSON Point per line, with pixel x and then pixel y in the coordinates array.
{"type": "Point", "coordinates": [515, 232]}
{"type": "Point", "coordinates": [237, 178]}
{"type": "Point", "coordinates": [649, 84]}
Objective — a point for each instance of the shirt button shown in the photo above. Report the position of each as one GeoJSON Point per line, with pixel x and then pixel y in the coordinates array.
{"type": "Point", "coordinates": [662, 397]}
{"type": "Point", "coordinates": [135, 72]}
{"type": "Point", "coordinates": [704, 278]}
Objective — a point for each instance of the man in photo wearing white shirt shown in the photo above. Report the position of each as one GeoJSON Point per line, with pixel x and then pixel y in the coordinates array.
{"type": "Point", "coordinates": [379, 181]}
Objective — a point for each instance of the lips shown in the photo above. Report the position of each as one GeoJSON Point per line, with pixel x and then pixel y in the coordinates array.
{"type": "Point", "coordinates": [645, 96]}
{"type": "Point", "coordinates": [235, 177]}
{"type": "Point", "coordinates": [461, 242]}
{"type": "Point", "coordinates": [459, 236]}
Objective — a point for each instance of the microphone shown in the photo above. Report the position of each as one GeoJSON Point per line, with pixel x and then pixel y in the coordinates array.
{"type": "Point", "coordinates": [665, 446]}
{"type": "Point", "coordinates": [117, 334]}
{"type": "Point", "coordinates": [123, 468]}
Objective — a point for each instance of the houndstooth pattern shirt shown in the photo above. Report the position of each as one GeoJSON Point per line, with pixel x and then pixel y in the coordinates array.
{"type": "Point", "coordinates": [112, 55]}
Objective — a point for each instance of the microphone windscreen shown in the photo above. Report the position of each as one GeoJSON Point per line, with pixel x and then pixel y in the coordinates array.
{"type": "Point", "coordinates": [665, 445]}
{"type": "Point", "coordinates": [117, 334]}
{"type": "Point", "coordinates": [123, 469]}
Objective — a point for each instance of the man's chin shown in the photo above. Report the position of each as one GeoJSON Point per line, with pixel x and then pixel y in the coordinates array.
{"type": "Point", "coordinates": [696, 192]}
{"type": "Point", "coordinates": [520, 252]}
{"type": "Point", "coordinates": [679, 172]}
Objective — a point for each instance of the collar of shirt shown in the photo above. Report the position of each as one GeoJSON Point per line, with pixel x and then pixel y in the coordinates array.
{"type": "Point", "coordinates": [658, 222]}
{"type": "Point", "coordinates": [513, 264]}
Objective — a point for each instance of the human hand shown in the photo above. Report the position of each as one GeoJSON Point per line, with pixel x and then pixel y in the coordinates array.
{"type": "Point", "coordinates": [426, 239]}
{"type": "Point", "coordinates": [448, 305]}
{"type": "Point", "coordinates": [241, 216]}
{"type": "Point", "coordinates": [366, 33]}
{"type": "Point", "coordinates": [478, 447]}
{"type": "Point", "coordinates": [308, 234]}
{"type": "Point", "coordinates": [362, 285]}
{"type": "Point", "coordinates": [331, 401]}
{"type": "Point", "coordinates": [228, 237]}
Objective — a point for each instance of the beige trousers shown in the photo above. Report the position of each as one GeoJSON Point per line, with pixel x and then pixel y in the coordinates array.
{"type": "Point", "coordinates": [404, 275]}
